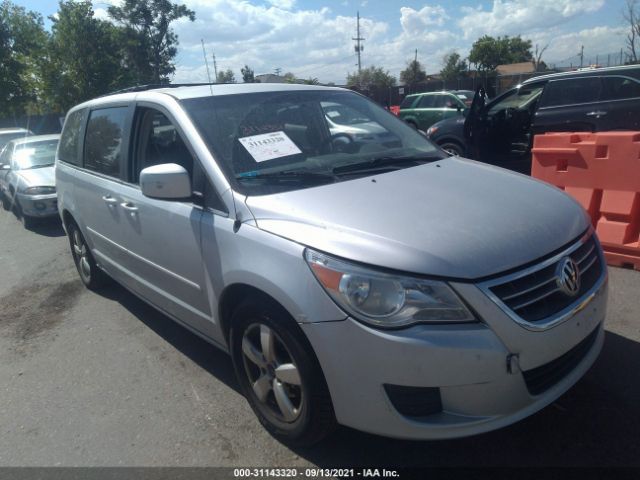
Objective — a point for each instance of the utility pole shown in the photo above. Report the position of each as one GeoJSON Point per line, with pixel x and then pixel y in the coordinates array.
{"type": "Point", "coordinates": [204, 54]}
{"type": "Point", "coordinates": [215, 66]}
{"type": "Point", "coordinates": [581, 55]}
{"type": "Point", "coordinates": [277, 71]}
{"type": "Point", "coordinates": [620, 56]}
{"type": "Point", "coordinates": [359, 48]}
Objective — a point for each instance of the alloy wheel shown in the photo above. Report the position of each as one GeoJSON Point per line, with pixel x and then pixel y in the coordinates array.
{"type": "Point", "coordinates": [272, 373]}
{"type": "Point", "coordinates": [82, 255]}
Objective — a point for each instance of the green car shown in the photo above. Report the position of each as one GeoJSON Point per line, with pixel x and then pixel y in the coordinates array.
{"type": "Point", "coordinates": [421, 110]}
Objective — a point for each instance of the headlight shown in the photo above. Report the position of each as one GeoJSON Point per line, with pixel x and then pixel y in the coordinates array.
{"type": "Point", "coordinates": [386, 300]}
{"type": "Point", "coordinates": [431, 131]}
{"type": "Point", "coordinates": [39, 190]}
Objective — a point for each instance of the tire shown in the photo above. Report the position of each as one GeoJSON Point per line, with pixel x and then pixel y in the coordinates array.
{"type": "Point", "coordinates": [27, 221]}
{"type": "Point", "coordinates": [6, 204]}
{"type": "Point", "coordinates": [279, 374]}
{"type": "Point", "coordinates": [90, 274]}
{"type": "Point", "coordinates": [412, 124]}
{"type": "Point", "coordinates": [452, 148]}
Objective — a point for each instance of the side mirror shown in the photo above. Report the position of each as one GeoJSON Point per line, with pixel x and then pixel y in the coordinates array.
{"type": "Point", "coordinates": [168, 181]}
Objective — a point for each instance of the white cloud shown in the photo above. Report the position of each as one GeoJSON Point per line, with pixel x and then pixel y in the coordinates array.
{"type": "Point", "coordinates": [270, 34]}
{"type": "Point", "coordinates": [284, 4]}
{"type": "Point", "coordinates": [512, 17]}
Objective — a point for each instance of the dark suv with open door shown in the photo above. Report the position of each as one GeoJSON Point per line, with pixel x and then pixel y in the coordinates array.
{"type": "Point", "coordinates": [501, 132]}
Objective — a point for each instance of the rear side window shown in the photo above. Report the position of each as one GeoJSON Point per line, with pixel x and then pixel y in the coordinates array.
{"type": "Point", "coordinates": [428, 101]}
{"type": "Point", "coordinates": [572, 91]}
{"type": "Point", "coordinates": [619, 88]}
{"type": "Point", "coordinates": [68, 149]}
{"type": "Point", "coordinates": [103, 140]}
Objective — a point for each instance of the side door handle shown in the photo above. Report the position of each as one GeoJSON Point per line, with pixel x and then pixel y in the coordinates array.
{"type": "Point", "coordinates": [597, 113]}
{"type": "Point", "coordinates": [128, 206]}
{"type": "Point", "coordinates": [109, 200]}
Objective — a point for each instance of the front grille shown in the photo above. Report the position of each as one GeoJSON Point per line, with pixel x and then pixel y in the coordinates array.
{"type": "Point", "coordinates": [541, 378]}
{"type": "Point", "coordinates": [536, 296]}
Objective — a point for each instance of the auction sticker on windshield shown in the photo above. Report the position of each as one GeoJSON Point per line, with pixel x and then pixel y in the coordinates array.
{"type": "Point", "coordinates": [269, 146]}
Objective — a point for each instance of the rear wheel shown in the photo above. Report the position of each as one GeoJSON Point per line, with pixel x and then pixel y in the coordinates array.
{"type": "Point", "coordinates": [279, 375]}
{"type": "Point", "coordinates": [90, 274]}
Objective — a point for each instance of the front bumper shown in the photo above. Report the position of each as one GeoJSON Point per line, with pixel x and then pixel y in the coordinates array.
{"type": "Point", "coordinates": [38, 205]}
{"type": "Point", "coordinates": [468, 364]}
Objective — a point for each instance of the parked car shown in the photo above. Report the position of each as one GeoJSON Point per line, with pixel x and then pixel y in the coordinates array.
{"type": "Point", "coordinates": [8, 134]}
{"type": "Point", "coordinates": [354, 128]}
{"type": "Point", "coordinates": [395, 290]}
{"type": "Point", "coordinates": [27, 180]}
{"type": "Point", "coordinates": [421, 110]}
{"type": "Point", "coordinates": [448, 134]}
{"type": "Point", "coordinates": [501, 131]}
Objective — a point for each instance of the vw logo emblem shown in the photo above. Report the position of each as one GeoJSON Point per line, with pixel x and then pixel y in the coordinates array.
{"type": "Point", "coordinates": [568, 277]}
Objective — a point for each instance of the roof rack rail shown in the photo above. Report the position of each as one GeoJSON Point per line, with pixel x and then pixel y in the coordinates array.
{"type": "Point", "coordinates": [152, 86]}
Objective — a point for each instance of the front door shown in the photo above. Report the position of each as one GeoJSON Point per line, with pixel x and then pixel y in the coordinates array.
{"type": "Point", "coordinates": [163, 236]}
{"type": "Point", "coordinates": [499, 133]}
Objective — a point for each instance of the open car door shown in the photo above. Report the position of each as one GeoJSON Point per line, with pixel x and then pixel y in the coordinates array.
{"type": "Point", "coordinates": [499, 133]}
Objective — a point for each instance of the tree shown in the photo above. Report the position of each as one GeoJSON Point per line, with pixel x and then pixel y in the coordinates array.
{"type": "Point", "coordinates": [453, 67]}
{"type": "Point", "coordinates": [289, 77]}
{"type": "Point", "coordinates": [150, 42]}
{"type": "Point", "coordinates": [311, 81]}
{"type": "Point", "coordinates": [537, 58]}
{"type": "Point", "coordinates": [631, 16]}
{"type": "Point", "coordinates": [247, 75]}
{"type": "Point", "coordinates": [22, 44]}
{"type": "Point", "coordinates": [226, 76]}
{"type": "Point", "coordinates": [371, 77]}
{"type": "Point", "coordinates": [488, 52]}
{"type": "Point", "coordinates": [413, 74]}
{"type": "Point", "coordinates": [83, 57]}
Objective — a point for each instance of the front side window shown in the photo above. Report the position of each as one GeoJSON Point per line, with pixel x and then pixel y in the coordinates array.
{"type": "Point", "coordinates": [159, 142]}
{"type": "Point", "coordinates": [572, 91]}
{"type": "Point", "coordinates": [519, 98]}
{"type": "Point", "coordinates": [27, 156]}
{"type": "Point", "coordinates": [103, 140]}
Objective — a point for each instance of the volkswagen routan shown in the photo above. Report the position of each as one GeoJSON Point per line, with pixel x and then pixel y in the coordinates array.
{"type": "Point", "coordinates": [364, 280]}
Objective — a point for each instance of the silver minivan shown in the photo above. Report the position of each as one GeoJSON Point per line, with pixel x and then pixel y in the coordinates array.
{"type": "Point", "coordinates": [364, 280]}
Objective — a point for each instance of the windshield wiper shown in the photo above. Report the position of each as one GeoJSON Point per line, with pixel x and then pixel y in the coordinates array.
{"type": "Point", "coordinates": [285, 175]}
{"type": "Point", "coordinates": [384, 163]}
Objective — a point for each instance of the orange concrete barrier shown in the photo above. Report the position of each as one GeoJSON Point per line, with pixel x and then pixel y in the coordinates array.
{"type": "Point", "coordinates": [602, 172]}
{"type": "Point", "coordinates": [395, 109]}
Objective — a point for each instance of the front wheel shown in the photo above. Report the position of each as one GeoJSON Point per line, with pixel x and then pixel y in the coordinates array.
{"type": "Point", "coordinates": [90, 274]}
{"type": "Point", "coordinates": [279, 375]}
{"type": "Point", "coordinates": [452, 148]}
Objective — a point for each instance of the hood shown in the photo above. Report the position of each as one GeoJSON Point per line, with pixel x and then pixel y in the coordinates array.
{"type": "Point", "coordinates": [452, 218]}
{"type": "Point", "coordinates": [37, 177]}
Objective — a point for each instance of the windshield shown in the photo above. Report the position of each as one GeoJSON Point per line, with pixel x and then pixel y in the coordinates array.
{"type": "Point", "coordinates": [279, 141]}
{"type": "Point", "coordinates": [35, 154]}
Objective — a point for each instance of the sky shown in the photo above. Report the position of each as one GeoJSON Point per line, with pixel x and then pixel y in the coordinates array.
{"type": "Point", "coordinates": [313, 38]}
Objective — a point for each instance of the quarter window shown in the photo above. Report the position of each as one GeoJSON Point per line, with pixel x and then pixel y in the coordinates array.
{"type": "Point", "coordinates": [103, 143]}
{"type": "Point", "coordinates": [68, 149]}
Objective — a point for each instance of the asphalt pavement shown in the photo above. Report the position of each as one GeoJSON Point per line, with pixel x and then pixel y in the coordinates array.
{"type": "Point", "coordinates": [103, 379]}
